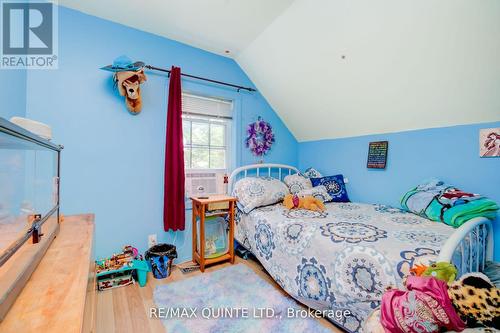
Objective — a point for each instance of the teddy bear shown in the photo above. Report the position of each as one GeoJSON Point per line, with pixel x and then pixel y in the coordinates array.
{"type": "Point", "coordinates": [308, 202]}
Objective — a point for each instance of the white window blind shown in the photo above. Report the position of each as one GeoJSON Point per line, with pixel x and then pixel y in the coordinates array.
{"type": "Point", "coordinates": [211, 107]}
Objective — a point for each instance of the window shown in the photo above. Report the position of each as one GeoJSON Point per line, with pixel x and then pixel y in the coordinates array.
{"type": "Point", "coordinates": [206, 126]}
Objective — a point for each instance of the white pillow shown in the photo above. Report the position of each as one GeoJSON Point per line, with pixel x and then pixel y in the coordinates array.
{"type": "Point", "coordinates": [312, 173]}
{"type": "Point", "coordinates": [253, 192]}
{"type": "Point", "coordinates": [297, 183]}
{"type": "Point", "coordinates": [319, 192]}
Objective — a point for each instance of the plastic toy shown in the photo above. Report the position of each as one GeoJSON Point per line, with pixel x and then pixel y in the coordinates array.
{"type": "Point", "coordinates": [418, 269]}
{"type": "Point", "coordinates": [113, 269]}
{"type": "Point", "coordinates": [443, 271]}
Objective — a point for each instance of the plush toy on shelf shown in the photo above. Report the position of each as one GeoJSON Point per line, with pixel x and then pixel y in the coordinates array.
{"type": "Point", "coordinates": [308, 202]}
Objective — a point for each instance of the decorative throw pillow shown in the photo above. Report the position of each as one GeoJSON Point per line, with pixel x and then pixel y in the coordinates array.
{"type": "Point", "coordinates": [334, 185]}
{"type": "Point", "coordinates": [312, 173]}
{"type": "Point", "coordinates": [319, 192]}
{"type": "Point", "coordinates": [253, 192]}
{"type": "Point", "coordinates": [297, 183]}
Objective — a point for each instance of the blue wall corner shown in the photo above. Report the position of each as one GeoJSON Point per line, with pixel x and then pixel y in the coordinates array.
{"type": "Point", "coordinates": [448, 153]}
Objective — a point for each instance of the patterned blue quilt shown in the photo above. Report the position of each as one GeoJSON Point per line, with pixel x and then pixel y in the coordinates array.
{"type": "Point", "coordinates": [342, 258]}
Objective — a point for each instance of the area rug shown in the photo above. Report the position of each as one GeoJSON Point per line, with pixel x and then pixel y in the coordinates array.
{"type": "Point", "coordinates": [232, 299]}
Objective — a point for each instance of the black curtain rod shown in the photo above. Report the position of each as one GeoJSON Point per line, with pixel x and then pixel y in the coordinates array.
{"type": "Point", "coordinates": [238, 88]}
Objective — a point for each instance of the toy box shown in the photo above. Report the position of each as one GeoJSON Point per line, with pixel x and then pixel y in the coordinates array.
{"type": "Point", "coordinates": [114, 280]}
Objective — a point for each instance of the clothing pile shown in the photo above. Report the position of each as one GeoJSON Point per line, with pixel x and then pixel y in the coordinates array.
{"type": "Point", "coordinates": [440, 202]}
{"type": "Point", "coordinates": [430, 304]}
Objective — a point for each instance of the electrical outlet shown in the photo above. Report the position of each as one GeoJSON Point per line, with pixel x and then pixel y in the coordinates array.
{"type": "Point", "coordinates": [152, 241]}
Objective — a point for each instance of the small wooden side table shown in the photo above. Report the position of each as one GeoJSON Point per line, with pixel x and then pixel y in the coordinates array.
{"type": "Point", "coordinates": [201, 210]}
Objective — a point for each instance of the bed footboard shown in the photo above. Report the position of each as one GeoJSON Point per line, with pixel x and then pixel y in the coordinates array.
{"type": "Point", "coordinates": [469, 246]}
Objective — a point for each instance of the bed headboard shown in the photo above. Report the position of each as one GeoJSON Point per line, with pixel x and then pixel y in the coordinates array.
{"type": "Point", "coordinates": [278, 171]}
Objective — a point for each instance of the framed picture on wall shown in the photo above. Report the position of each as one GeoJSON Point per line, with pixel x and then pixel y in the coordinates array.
{"type": "Point", "coordinates": [377, 154]}
{"type": "Point", "coordinates": [489, 142]}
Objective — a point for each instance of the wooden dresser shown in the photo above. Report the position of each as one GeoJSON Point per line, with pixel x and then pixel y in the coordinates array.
{"type": "Point", "coordinates": [60, 295]}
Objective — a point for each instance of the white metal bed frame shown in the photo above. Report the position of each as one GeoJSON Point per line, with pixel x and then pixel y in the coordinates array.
{"type": "Point", "coordinates": [462, 239]}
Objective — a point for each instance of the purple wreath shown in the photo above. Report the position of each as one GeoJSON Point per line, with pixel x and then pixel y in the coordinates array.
{"type": "Point", "coordinates": [260, 137]}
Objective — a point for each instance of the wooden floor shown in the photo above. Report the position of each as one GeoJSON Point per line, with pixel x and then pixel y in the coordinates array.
{"type": "Point", "coordinates": [126, 309]}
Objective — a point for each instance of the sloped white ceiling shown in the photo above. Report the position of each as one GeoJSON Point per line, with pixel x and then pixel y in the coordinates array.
{"type": "Point", "coordinates": [408, 65]}
{"type": "Point", "coordinates": [213, 25]}
{"type": "Point", "coordinates": [339, 68]}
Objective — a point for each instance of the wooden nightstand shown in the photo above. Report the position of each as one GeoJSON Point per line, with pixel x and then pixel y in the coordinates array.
{"type": "Point", "coordinates": [215, 205]}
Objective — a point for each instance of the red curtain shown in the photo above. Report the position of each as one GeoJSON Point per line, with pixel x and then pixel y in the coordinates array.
{"type": "Point", "coordinates": [173, 200]}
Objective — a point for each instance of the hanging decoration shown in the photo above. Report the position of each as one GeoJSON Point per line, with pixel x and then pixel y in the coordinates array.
{"type": "Point", "coordinates": [260, 137]}
{"type": "Point", "coordinates": [127, 78]}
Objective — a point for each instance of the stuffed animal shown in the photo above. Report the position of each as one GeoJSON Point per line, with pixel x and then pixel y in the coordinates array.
{"type": "Point", "coordinates": [443, 271]}
{"type": "Point", "coordinates": [308, 202]}
{"type": "Point", "coordinates": [440, 270]}
{"type": "Point", "coordinates": [128, 84]}
{"type": "Point", "coordinates": [476, 300]}
{"type": "Point", "coordinates": [127, 77]}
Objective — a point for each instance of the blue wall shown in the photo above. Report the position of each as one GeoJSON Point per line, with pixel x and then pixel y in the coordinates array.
{"type": "Point", "coordinates": [449, 153]}
{"type": "Point", "coordinates": [13, 93]}
{"type": "Point", "coordinates": [112, 164]}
